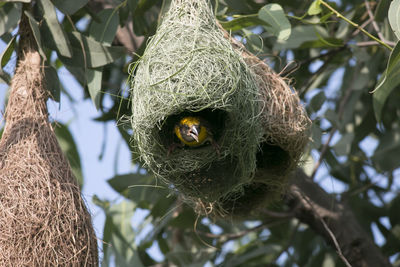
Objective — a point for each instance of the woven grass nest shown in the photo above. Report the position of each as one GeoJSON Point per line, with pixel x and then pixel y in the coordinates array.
{"type": "Point", "coordinates": [191, 66]}
{"type": "Point", "coordinates": [43, 218]}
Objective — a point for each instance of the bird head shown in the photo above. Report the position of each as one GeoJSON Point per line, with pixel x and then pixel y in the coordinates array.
{"type": "Point", "coordinates": [189, 129]}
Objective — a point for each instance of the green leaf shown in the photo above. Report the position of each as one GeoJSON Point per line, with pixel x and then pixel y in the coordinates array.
{"type": "Point", "coordinates": [343, 147]}
{"type": "Point", "coordinates": [22, 1]}
{"type": "Point", "coordinates": [132, 4]}
{"type": "Point", "coordinates": [69, 7]}
{"type": "Point", "coordinates": [381, 11]}
{"type": "Point", "coordinates": [6, 54]}
{"type": "Point", "coordinates": [59, 36]}
{"type": "Point", "coordinates": [242, 22]}
{"type": "Point", "coordinates": [10, 14]}
{"type": "Point", "coordinates": [315, 8]}
{"type": "Point", "coordinates": [138, 187]}
{"type": "Point", "coordinates": [317, 101]}
{"type": "Point", "coordinates": [394, 17]}
{"type": "Point", "coordinates": [95, 53]}
{"type": "Point", "coordinates": [388, 82]}
{"type": "Point", "coordinates": [120, 235]}
{"type": "Point", "coordinates": [5, 58]}
{"type": "Point", "coordinates": [104, 31]}
{"type": "Point", "coordinates": [36, 33]}
{"type": "Point", "coordinates": [69, 148]}
{"type": "Point", "coordinates": [278, 24]}
{"type": "Point", "coordinates": [304, 34]}
{"type": "Point", "coordinates": [52, 82]}
{"type": "Point", "coordinates": [93, 77]}
{"type": "Point", "coordinates": [385, 157]}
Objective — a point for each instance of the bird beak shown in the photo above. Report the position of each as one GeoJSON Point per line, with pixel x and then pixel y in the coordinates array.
{"type": "Point", "coordinates": [194, 133]}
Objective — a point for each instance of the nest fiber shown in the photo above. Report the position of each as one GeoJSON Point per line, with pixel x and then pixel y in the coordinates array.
{"type": "Point", "coordinates": [190, 68]}
{"type": "Point", "coordinates": [43, 219]}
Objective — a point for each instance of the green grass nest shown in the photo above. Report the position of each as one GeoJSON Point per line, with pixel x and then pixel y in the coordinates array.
{"type": "Point", "coordinates": [190, 67]}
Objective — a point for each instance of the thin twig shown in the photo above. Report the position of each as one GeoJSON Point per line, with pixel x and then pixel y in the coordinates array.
{"type": "Point", "coordinates": [227, 237]}
{"type": "Point", "coordinates": [338, 249]}
{"type": "Point", "coordinates": [324, 149]}
{"type": "Point", "coordinates": [374, 24]}
{"type": "Point", "coordinates": [372, 43]}
{"type": "Point", "coordinates": [354, 24]}
{"type": "Point", "coordinates": [332, 236]}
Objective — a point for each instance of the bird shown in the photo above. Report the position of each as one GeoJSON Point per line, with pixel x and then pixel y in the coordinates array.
{"type": "Point", "coordinates": [193, 131]}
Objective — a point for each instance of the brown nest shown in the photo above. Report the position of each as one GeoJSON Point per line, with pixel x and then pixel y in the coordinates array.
{"type": "Point", "coordinates": [43, 218]}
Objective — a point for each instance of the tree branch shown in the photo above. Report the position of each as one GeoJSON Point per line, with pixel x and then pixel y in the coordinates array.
{"type": "Point", "coordinates": [334, 221]}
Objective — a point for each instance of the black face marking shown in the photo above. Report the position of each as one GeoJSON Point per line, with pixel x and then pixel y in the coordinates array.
{"type": "Point", "coordinates": [187, 132]}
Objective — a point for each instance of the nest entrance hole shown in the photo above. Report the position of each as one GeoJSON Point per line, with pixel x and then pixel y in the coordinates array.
{"type": "Point", "coordinates": [273, 158]}
{"type": "Point", "coordinates": [216, 118]}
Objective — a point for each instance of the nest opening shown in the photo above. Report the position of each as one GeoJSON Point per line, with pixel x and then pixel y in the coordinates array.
{"type": "Point", "coordinates": [217, 119]}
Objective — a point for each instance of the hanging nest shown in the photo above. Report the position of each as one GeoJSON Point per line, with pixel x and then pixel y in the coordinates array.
{"type": "Point", "coordinates": [43, 218]}
{"type": "Point", "coordinates": [286, 133]}
{"type": "Point", "coordinates": [192, 67]}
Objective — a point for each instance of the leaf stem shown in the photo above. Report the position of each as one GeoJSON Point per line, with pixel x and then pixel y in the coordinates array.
{"type": "Point", "coordinates": [354, 25]}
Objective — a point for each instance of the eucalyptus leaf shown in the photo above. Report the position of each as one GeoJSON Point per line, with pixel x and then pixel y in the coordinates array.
{"type": "Point", "coordinates": [21, 1]}
{"type": "Point", "coordinates": [59, 36]}
{"type": "Point", "coordinates": [300, 35]}
{"type": "Point", "coordinates": [36, 33]}
{"type": "Point", "coordinates": [90, 53]}
{"type": "Point", "coordinates": [104, 31]}
{"type": "Point", "coordinates": [315, 8]}
{"type": "Point", "coordinates": [394, 17]}
{"type": "Point", "coordinates": [343, 147]}
{"type": "Point", "coordinates": [278, 24]}
{"type": "Point", "coordinates": [6, 54]}
{"type": "Point", "coordinates": [388, 82]}
{"type": "Point", "coordinates": [70, 149]}
{"type": "Point", "coordinates": [53, 84]}
{"type": "Point", "coordinates": [93, 77]}
{"type": "Point", "coordinates": [10, 14]}
{"type": "Point", "coordinates": [242, 22]}
{"type": "Point", "coordinates": [385, 156]}
{"type": "Point", "coordinates": [69, 7]}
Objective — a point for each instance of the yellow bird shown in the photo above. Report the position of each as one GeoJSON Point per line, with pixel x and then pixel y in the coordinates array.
{"type": "Point", "coordinates": [193, 132]}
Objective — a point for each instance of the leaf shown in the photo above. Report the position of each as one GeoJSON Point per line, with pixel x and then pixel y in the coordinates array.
{"type": "Point", "coordinates": [93, 77]}
{"type": "Point", "coordinates": [381, 11]}
{"type": "Point", "coordinates": [7, 52]}
{"type": "Point", "coordinates": [69, 148]}
{"type": "Point", "coordinates": [385, 157]}
{"type": "Point", "coordinates": [278, 24]}
{"type": "Point", "coordinates": [140, 188]}
{"type": "Point", "coordinates": [22, 1]}
{"type": "Point", "coordinates": [120, 235]}
{"type": "Point", "coordinates": [59, 36]}
{"type": "Point", "coordinates": [95, 53]}
{"type": "Point", "coordinates": [5, 58]}
{"type": "Point", "coordinates": [52, 82]}
{"type": "Point", "coordinates": [36, 33]}
{"type": "Point", "coordinates": [394, 17]}
{"type": "Point", "coordinates": [387, 83]}
{"type": "Point", "coordinates": [10, 15]}
{"type": "Point", "coordinates": [343, 147]}
{"type": "Point", "coordinates": [242, 22]}
{"type": "Point", "coordinates": [132, 4]}
{"type": "Point", "coordinates": [69, 7]}
{"type": "Point", "coordinates": [300, 35]}
{"type": "Point", "coordinates": [317, 101]}
{"type": "Point", "coordinates": [104, 31]}
{"type": "Point", "coordinates": [315, 8]}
